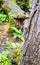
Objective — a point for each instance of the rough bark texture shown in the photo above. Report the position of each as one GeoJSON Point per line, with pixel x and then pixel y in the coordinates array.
{"type": "Point", "coordinates": [31, 48]}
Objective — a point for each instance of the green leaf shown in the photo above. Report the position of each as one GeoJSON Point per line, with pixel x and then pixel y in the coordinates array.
{"type": "Point", "coordinates": [16, 30]}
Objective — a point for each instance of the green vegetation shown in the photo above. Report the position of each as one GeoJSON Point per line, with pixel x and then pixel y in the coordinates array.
{"type": "Point", "coordinates": [3, 16]}
{"type": "Point", "coordinates": [14, 54]}
{"type": "Point", "coordinates": [9, 46]}
{"type": "Point", "coordinates": [16, 34]}
{"type": "Point", "coordinates": [24, 4]}
{"type": "Point", "coordinates": [3, 59]}
{"type": "Point", "coordinates": [9, 18]}
{"type": "Point", "coordinates": [17, 56]}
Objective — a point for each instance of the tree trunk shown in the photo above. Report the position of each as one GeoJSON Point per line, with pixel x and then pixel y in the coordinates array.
{"type": "Point", "coordinates": [31, 47]}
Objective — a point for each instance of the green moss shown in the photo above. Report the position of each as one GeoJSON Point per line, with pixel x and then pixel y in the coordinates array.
{"type": "Point", "coordinates": [16, 56]}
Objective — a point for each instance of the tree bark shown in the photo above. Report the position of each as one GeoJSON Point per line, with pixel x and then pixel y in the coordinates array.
{"type": "Point", "coordinates": [31, 47]}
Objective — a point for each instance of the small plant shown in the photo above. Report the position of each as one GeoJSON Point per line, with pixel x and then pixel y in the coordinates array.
{"type": "Point", "coordinates": [16, 56]}
{"type": "Point", "coordinates": [16, 33]}
{"type": "Point", "coordinates": [3, 16]}
{"type": "Point", "coordinates": [24, 3]}
{"type": "Point", "coordinates": [18, 36]}
{"type": "Point", "coordinates": [9, 45]}
{"type": "Point", "coordinates": [3, 59]}
{"type": "Point", "coordinates": [16, 30]}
